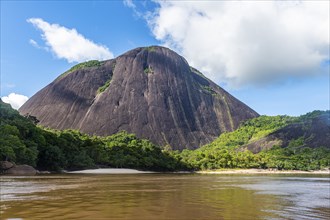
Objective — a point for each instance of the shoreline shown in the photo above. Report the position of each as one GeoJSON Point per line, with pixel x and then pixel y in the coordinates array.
{"type": "Point", "coordinates": [109, 171]}
{"type": "Point", "coordinates": [102, 171]}
{"type": "Point", "coordinates": [262, 171]}
{"type": "Point", "coordinates": [222, 171]}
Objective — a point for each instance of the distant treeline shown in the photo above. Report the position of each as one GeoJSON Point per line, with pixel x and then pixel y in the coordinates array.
{"type": "Point", "coordinates": [23, 142]}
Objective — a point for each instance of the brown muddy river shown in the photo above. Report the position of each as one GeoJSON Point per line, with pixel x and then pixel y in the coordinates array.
{"type": "Point", "coordinates": [165, 196]}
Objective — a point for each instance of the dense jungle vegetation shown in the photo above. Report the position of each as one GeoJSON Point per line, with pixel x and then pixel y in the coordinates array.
{"type": "Point", "coordinates": [23, 142]}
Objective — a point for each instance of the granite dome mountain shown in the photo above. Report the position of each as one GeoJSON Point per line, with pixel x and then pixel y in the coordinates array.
{"type": "Point", "coordinates": [149, 91]}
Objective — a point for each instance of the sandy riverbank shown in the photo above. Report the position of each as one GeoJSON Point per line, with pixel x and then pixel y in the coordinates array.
{"type": "Point", "coordinates": [263, 171]}
{"type": "Point", "coordinates": [224, 171]}
{"type": "Point", "coordinates": [110, 171]}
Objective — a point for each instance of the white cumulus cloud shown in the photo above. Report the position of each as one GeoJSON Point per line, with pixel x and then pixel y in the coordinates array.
{"type": "Point", "coordinates": [68, 43]}
{"type": "Point", "coordinates": [34, 43]}
{"type": "Point", "coordinates": [129, 3]}
{"type": "Point", "coordinates": [246, 42]}
{"type": "Point", "coordinates": [15, 100]}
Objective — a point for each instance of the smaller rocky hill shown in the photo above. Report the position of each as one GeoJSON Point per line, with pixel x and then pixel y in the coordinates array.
{"type": "Point", "coordinates": [311, 130]}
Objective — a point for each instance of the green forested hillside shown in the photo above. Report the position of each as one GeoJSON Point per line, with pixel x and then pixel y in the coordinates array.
{"type": "Point", "coordinates": [22, 142]}
{"type": "Point", "coordinates": [285, 142]}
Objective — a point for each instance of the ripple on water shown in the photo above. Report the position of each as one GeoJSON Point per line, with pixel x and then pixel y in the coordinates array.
{"type": "Point", "coordinates": [20, 188]}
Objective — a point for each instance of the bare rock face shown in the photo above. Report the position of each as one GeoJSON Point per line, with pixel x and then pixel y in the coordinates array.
{"type": "Point", "coordinates": [5, 165]}
{"type": "Point", "coordinates": [21, 170]}
{"type": "Point", "coordinates": [150, 91]}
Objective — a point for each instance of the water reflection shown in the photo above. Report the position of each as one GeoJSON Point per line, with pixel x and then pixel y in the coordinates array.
{"type": "Point", "coordinates": [305, 197]}
{"type": "Point", "coordinates": [165, 196]}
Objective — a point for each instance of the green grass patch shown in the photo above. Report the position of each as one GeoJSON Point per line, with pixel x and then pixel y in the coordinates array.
{"type": "Point", "coordinates": [192, 69]}
{"type": "Point", "coordinates": [148, 70]}
{"type": "Point", "coordinates": [209, 90]}
{"type": "Point", "coordinates": [113, 66]}
{"type": "Point", "coordinates": [87, 64]}
{"type": "Point", "coordinates": [104, 87]}
{"type": "Point", "coordinates": [151, 48]}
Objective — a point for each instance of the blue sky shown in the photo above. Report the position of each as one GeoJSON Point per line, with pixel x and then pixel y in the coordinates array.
{"type": "Point", "coordinates": [272, 56]}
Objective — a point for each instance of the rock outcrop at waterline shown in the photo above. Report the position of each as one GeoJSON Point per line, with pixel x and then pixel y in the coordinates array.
{"type": "Point", "coordinates": [150, 91]}
{"type": "Point", "coordinates": [9, 168]}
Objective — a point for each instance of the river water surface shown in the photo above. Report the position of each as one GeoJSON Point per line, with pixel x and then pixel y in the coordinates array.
{"type": "Point", "coordinates": [165, 196]}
